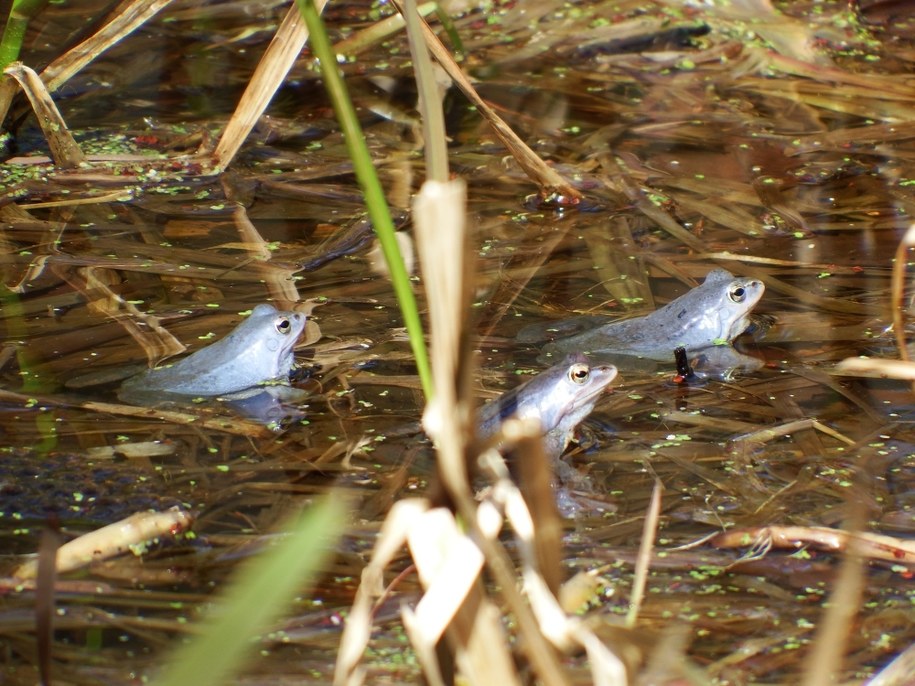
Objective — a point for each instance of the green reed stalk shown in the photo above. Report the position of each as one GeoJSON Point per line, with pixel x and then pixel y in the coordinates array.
{"type": "Point", "coordinates": [371, 188]}
{"type": "Point", "coordinates": [14, 31]}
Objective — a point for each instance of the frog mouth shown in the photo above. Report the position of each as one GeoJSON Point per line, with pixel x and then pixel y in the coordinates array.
{"type": "Point", "coordinates": [590, 397]}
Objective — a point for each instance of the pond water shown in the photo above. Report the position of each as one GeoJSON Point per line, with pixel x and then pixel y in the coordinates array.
{"type": "Point", "coordinates": [696, 146]}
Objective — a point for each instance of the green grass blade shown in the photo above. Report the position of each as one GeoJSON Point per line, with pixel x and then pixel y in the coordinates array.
{"type": "Point", "coordinates": [35, 375]}
{"type": "Point", "coordinates": [256, 598]}
{"type": "Point", "coordinates": [448, 25]}
{"type": "Point", "coordinates": [371, 188]}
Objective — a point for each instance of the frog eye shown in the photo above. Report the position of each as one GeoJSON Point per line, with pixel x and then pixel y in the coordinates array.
{"type": "Point", "coordinates": [738, 294]}
{"type": "Point", "coordinates": [579, 373]}
{"type": "Point", "coordinates": [282, 325]}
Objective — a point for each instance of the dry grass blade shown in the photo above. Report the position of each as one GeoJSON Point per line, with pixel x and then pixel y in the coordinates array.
{"type": "Point", "coordinates": [898, 285]}
{"type": "Point", "coordinates": [358, 627]}
{"type": "Point", "coordinates": [64, 150]}
{"type": "Point", "coordinates": [563, 631]}
{"type": "Point", "coordinates": [877, 368]}
{"type": "Point", "coordinates": [870, 102]}
{"type": "Point", "coordinates": [361, 40]}
{"type": "Point", "coordinates": [129, 16]}
{"type": "Point", "coordinates": [775, 432]}
{"type": "Point", "coordinates": [549, 180]}
{"type": "Point", "coordinates": [94, 284]}
{"type": "Point", "coordinates": [886, 86]}
{"type": "Point", "coordinates": [225, 424]}
{"type": "Point", "coordinates": [280, 283]}
{"type": "Point", "coordinates": [535, 645]}
{"type": "Point", "coordinates": [252, 241]}
{"type": "Point", "coordinates": [534, 470]}
{"type": "Point", "coordinates": [841, 138]}
{"type": "Point", "coordinates": [827, 379]}
{"type": "Point", "coordinates": [825, 659]}
{"type": "Point", "coordinates": [430, 98]}
{"type": "Point", "coordinates": [269, 75]}
{"type": "Point", "coordinates": [521, 270]}
{"type": "Point", "coordinates": [113, 196]}
{"type": "Point", "coordinates": [874, 546]}
{"type": "Point", "coordinates": [623, 278]}
{"type": "Point", "coordinates": [649, 532]}
{"type": "Point", "coordinates": [449, 563]}
{"type": "Point", "coordinates": [125, 19]}
{"type": "Point", "coordinates": [425, 649]}
{"type": "Point", "coordinates": [638, 195]}
{"type": "Point", "coordinates": [475, 632]}
{"type": "Point", "coordinates": [707, 422]}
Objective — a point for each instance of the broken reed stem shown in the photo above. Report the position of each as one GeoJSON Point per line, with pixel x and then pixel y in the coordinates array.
{"type": "Point", "coordinates": [438, 212]}
{"type": "Point", "coordinates": [11, 44]}
{"type": "Point", "coordinates": [430, 102]}
{"type": "Point", "coordinates": [877, 368]}
{"type": "Point", "coordinates": [115, 539]}
{"type": "Point", "coordinates": [64, 150]}
{"type": "Point", "coordinates": [447, 275]}
{"type": "Point", "coordinates": [535, 483]}
{"type": "Point", "coordinates": [541, 655]}
{"type": "Point", "coordinates": [474, 632]}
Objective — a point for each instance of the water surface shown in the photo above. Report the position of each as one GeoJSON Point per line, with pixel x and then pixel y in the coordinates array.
{"type": "Point", "coordinates": [696, 147]}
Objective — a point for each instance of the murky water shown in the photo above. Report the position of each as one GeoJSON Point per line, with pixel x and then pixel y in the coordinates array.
{"type": "Point", "coordinates": [695, 148]}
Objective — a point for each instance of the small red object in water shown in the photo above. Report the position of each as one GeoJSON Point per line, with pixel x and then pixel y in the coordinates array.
{"type": "Point", "coordinates": [563, 200]}
{"type": "Point", "coordinates": [147, 141]}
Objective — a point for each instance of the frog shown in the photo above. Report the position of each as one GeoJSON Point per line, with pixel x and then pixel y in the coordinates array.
{"type": "Point", "coordinates": [559, 398]}
{"type": "Point", "coordinates": [256, 354]}
{"type": "Point", "coordinates": [711, 314]}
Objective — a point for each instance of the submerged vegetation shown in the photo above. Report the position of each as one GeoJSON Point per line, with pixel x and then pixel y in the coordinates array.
{"type": "Point", "coordinates": [172, 164]}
